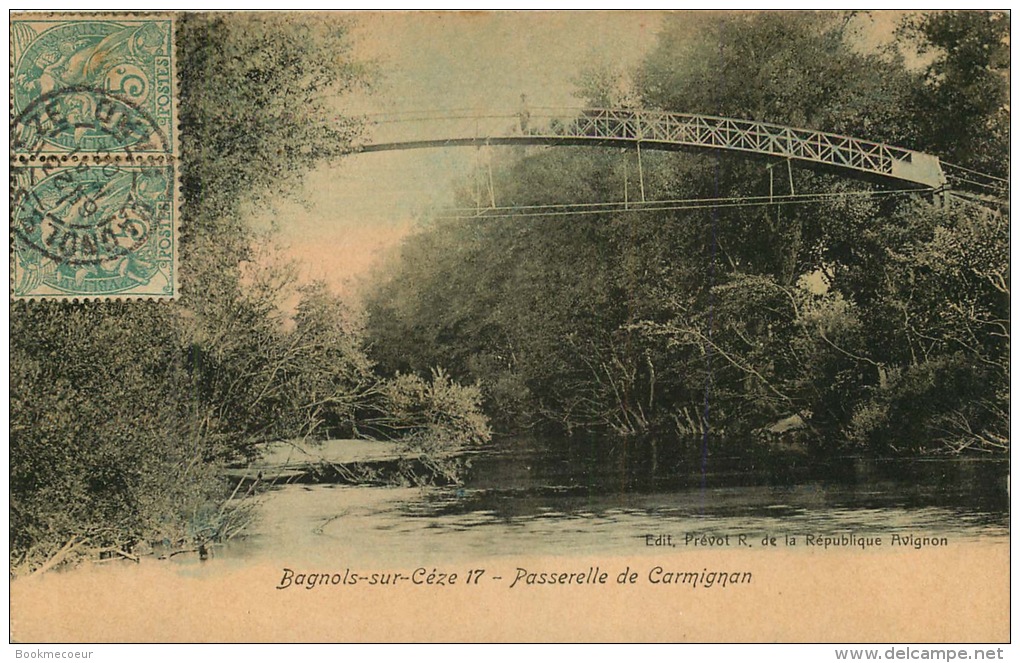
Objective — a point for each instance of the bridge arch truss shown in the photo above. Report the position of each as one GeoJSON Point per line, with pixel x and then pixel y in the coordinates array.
{"type": "Point", "coordinates": [661, 130]}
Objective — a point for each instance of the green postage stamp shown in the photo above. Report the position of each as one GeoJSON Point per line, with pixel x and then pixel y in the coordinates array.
{"type": "Point", "coordinates": [94, 207]}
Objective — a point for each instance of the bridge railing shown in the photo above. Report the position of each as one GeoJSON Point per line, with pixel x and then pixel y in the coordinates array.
{"type": "Point", "coordinates": [655, 129]}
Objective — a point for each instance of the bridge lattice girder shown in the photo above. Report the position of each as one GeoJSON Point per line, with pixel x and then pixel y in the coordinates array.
{"type": "Point", "coordinates": [652, 129]}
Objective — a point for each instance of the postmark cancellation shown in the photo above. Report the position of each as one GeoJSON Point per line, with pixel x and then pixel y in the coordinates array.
{"type": "Point", "coordinates": [94, 171]}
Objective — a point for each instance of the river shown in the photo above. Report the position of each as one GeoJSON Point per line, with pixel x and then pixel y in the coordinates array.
{"type": "Point", "coordinates": [552, 497]}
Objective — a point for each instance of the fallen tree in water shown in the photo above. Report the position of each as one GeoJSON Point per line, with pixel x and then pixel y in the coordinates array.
{"type": "Point", "coordinates": [125, 415]}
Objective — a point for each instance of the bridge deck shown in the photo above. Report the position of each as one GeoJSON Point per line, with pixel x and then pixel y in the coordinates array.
{"type": "Point", "coordinates": [659, 130]}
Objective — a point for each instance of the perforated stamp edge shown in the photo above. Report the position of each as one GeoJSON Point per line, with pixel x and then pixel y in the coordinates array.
{"type": "Point", "coordinates": [166, 157]}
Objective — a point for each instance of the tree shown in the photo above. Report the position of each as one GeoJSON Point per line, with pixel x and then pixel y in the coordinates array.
{"type": "Point", "coordinates": [842, 311]}
{"type": "Point", "coordinates": [941, 310]}
{"type": "Point", "coordinates": [123, 413]}
{"type": "Point", "coordinates": [800, 69]}
{"type": "Point", "coordinates": [964, 103]}
{"type": "Point", "coordinates": [258, 110]}
{"type": "Point", "coordinates": [104, 452]}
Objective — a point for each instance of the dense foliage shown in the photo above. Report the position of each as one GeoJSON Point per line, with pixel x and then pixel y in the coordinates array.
{"type": "Point", "coordinates": [874, 322]}
{"type": "Point", "coordinates": [877, 323]}
{"type": "Point", "coordinates": [124, 414]}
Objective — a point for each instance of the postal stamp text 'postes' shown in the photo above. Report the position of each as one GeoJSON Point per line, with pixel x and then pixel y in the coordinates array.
{"type": "Point", "coordinates": [93, 157]}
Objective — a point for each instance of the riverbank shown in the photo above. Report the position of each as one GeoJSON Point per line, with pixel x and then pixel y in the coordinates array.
{"type": "Point", "coordinates": [816, 542]}
{"type": "Point", "coordinates": [343, 461]}
{"type": "Point", "coordinates": [337, 461]}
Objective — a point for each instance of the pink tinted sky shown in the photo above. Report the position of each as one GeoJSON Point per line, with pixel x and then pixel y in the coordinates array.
{"type": "Point", "coordinates": [348, 214]}
{"type": "Point", "coordinates": [351, 212]}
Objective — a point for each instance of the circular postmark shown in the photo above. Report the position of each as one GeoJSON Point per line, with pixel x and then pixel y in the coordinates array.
{"type": "Point", "coordinates": [80, 119]}
{"type": "Point", "coordinates": [92, 228]}
{"type": "Point", "coordinates": [75, 64]}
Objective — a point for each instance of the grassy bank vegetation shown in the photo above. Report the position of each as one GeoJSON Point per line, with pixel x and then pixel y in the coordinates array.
{"type": "Point", "coordinates": [876, 324]}
{"type": "Point", "coordinates": [867, 323]}
{"type": "Point", "coordinates": [123, 415]}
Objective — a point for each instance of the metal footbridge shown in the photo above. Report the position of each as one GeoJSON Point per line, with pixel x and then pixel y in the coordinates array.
{"type": "Point", "coordinates": [642, 129]}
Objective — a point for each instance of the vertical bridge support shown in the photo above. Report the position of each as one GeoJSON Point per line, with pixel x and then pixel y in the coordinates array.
{"type": "Point", "coordinates": [660, 130]}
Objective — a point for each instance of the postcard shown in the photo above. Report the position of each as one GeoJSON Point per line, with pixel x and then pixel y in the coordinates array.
{"type": "Point", "coordinates": [513, 326]}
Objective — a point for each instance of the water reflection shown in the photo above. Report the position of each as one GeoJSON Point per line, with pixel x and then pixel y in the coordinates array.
{"type": "Point", "coordinates": [540, 497]}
